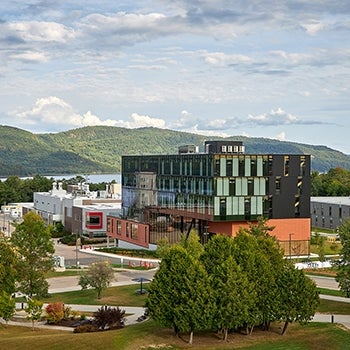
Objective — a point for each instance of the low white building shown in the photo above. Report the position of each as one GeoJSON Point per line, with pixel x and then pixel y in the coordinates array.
{"type": "Point", "coordinates": [78, 209]}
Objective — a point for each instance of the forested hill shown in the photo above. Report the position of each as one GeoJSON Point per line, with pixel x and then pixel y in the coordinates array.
{"type": "Point", "coordinates": [98, 149]}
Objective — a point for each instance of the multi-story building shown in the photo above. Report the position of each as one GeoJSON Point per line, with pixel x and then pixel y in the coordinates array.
{"type": "Point", "coordinates": [215, 192]}
{"type": "Point", "coordinates": [80, 211]}
{"type": "Point", "coordinates": [329, 212]}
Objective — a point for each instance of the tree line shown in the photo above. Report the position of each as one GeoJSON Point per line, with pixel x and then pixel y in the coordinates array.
{"type": "Point", "coordinates": [15, 190]}
{"type": "Point", "coordinates": [229, 284]}
{"type": "Point", "coordinates": [334, 183]}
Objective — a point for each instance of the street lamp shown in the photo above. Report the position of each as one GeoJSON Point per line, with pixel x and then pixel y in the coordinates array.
{"type": "Point", "coordinates": [77, 242]}
{"type": "Point", "coordinates": [290, 245]}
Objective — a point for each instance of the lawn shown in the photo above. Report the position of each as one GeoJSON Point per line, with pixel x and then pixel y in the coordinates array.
{"type": "Point", "coordinates": [118, 296]}
{"type": "Point", "coordinates": [149, 335]}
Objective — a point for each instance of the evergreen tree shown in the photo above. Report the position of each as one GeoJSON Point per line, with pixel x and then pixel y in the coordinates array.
{"type": "Point", "coordinates": [298, 296]}
{"type": "Point", "coordinates": [179, 295]}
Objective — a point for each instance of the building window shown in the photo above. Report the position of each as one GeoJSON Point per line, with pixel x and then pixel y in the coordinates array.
{"type": "Point", "coordinates": [340, 213]}
{"type": "Point", "coordinates": [278, 184]}
{"type": "Point", "coordinates": [127, 230]}
{"type": "Point", "coordinates": [229, 167]}
{"type": "Point", "coordinates": [300, 186]}
{"type": "Point", "coordinates": [223, 208]}
{"type": "Point", "coordinates": [247, 210]}
{"type": "Point", "coordinates": [250, 187]}
{"type": "Point", "coordinates": [330, 210]}
{"type": "Point", "coordinates": [232, 187]}
{"type": "Point", "coordinates": [241, 166]}
{"type": "Point", "coordinates": [134, 231]}
{"type": "Point", "coordinates": [119, 227]}
{"type": "Point", "coordinates": [253, 167]}
{"type": "Point", "coordinates": [286, 165]}
{"type": "Point", "coordinates": [217, 167]}
{"type": "Point", "coordinates": [94, 220]}
{"type": "Point", "coordinates": [297, 207]}
{"type": "Point", "coordinates": [302, 166]}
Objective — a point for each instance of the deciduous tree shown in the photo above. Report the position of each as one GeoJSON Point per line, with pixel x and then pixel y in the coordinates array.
{"type": "Point", "coordinates": [35, 254]}
{"type": "Point", "coordinates": [34, 311]}
{"type": "Point", "coordinates": [99, 276]}
{"type": "Point", "coordinates": [7, 306]}
{"type": "Point", "coordinates": [8, 261]}
{"type": "Point", "coordinates": [343, 273]}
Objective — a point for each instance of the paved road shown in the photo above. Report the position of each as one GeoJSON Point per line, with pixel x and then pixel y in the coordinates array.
{"type": "Point", "coordinates": [325, 282]}
{"type": "Point", "coordinates": [86, 256]}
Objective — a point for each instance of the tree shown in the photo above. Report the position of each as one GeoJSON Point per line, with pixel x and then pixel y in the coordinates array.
{"type": "Point", "coordinates": [34, 311]}
{"type": "Point", "coordinates": [99, 276]}
{"type": "Point", "coordinates": [343, 273]}
{"type": "Point", "coordinates": [35, 250]}
{"type": "Point", "coordinates": [319, 241]}
{"type": "Point", "coordinates": [261, 259]}
{"type": "Point", "coordinates": [8, 260]}
{"type": "Point", "coordinates": [298, 296]}
{"type": "Point", "coordinates": [7, 306]}
{"type": "Point", "coordinates": [179, 295]}
{"type": "Point", "coordinates": [232, 292]}
{"type": "Point", "coordinates": [192, 244]}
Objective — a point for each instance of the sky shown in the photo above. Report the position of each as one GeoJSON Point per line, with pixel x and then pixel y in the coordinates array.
{"type": "Point", "coordinates": [277, 69]}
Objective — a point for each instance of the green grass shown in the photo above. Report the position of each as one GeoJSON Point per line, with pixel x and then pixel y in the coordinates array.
{"type": "Point", "coordinates": [333, 292]}
{"type": "Point", "coordinates": [333, 307]}
{"type": "Point", "coordinates": [65, 273]}
{"type": "Point", "coordinates": [121, 295]}
{"type": "Point", "coordinates": [330, 248]}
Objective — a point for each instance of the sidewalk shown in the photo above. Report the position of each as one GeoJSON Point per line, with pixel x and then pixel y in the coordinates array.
{"type": "Point", "coordinates": [132, 312]}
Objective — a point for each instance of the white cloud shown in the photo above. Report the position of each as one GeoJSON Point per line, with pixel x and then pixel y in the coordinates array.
{"type": "Point", "coordinates": [138, 121]}
{"type": "Point", "coordinates": [30, 56]}
{"type": "Point", "coordinates": [35, 31]}
{"type": "Point", "coordinates": [275, 117]}
{"type": "Point", "coordinates": [53, 112]}
{"type": "Point", "coordinates": [313, 27]}
{"type": "Point", "coordinates": [222, 59]}
{"type": "Point", "coordinates": [281, 136]}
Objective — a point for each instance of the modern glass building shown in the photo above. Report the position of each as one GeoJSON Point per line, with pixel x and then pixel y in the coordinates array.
{"type": "Point", "coordinates": [215, 192]}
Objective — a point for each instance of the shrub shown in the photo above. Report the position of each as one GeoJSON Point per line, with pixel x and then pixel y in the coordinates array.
{"type": "Point", "coordinates": [86, 328]}
{"type": "Point", "coordinates": [111, 318]}
{"type": "Point", "coordinates": [54, 312]}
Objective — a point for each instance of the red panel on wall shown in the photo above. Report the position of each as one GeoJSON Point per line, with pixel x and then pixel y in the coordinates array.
{"type": "Point", "coordinates": [94, 220]}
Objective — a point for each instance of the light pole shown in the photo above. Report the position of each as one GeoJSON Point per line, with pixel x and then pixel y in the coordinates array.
{"type": "Point", "coordinates": [77, 242]}
{"type": "Point", "coordinates": [290, 246]}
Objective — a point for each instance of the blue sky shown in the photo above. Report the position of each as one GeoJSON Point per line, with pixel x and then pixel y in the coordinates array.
{"type": "Point", "coordinates": [274, 69]}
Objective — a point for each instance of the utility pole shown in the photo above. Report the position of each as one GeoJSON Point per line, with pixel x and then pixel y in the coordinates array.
{"type": "Point", "coordinates": [290, 246]}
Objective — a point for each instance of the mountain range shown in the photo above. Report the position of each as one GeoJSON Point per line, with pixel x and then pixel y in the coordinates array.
{"type": "Point", "coordinates": [98, 149]}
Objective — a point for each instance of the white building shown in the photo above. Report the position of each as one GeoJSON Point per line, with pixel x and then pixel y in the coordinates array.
{"type": "Point", "coordinates": [77, 208]}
